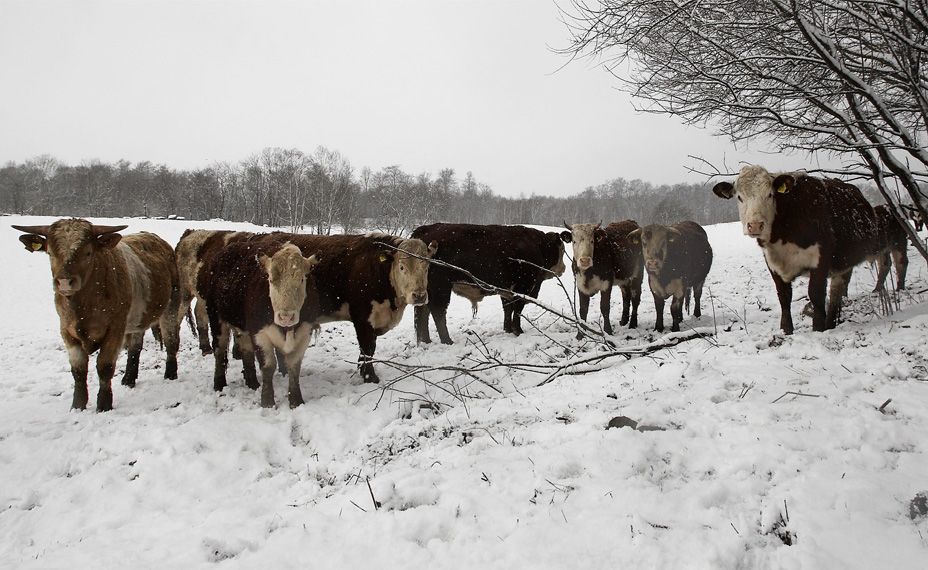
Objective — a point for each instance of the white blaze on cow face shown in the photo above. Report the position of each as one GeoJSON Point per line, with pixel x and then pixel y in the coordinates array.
{"type": "Point", "coordinates": [583, 238]}
{"type": "Point", "coordinates": [558, 268]}
{"type": "Point", "coordinates": [655, 239]}
{"type": "Point", "coordinates": [286, 275]}
{"type": "Point", "coordinates": [410, 270]}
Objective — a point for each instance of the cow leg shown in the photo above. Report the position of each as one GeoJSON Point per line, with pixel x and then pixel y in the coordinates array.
{"type": "Point", "coordinates": [836, 291]}
{"type": "Point", "coordinates": [626, 303]}
{"type": "Point", "coordinates": [659, 309]}
{"type": "Point", "coordinates": [883, 264]}
{"type": "Point", "coordinates": [440, 316]}
{"type": "Point", "coordinates": [421, 323]}
{"type": "Point", "coordinates": [264, 349]}
{"type": "Point", "coordinates": [676, 312]}
{"type": "Point", "coordinates": [901, 263]}
{"type": "Point", "coordinates": [236, 345]}
{"type": "Point", "coordinates": [785, 296]}
{"type": "Point", "coordinates": [221, 355]}
{"type": "Point", "coordinates": [170, 331]}
{"type": "Point", "coordinates": [635, 290]}
{"type": "Point", "coordinates": [106, 367]}
{"type": "Point", "coordinates": [133, 350]}
{"type": "Point", "coordinates": [77, 357]}
{"type": "Point", "coordinates": [605, 305]}
{"type": "Point", "coordinates": [281, 361]}
{"type": "Point", "coordinates": [584, 306]}
{"type": "Point", "coordinates": [507, 315]}
{"type": "Point", "coordinates": [247, 347]}
{"type": "Point", "coordinates": [818, 281]}
{"type": "Point", "coordinates": [367, 341]}
{"type": "Point", "coordinates": [294, 363]}
{"type": "Point", "coordinates": [517, 305]}
{"type": "Point", "coordinates": [697, 296]}
{"type": "Point", "coordinates": [202, 320]}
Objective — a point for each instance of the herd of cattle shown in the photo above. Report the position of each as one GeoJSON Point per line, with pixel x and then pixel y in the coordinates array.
{"type": "Point", "coordinates": [272, 291]}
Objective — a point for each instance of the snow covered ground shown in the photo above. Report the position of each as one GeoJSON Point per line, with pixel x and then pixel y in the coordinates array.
{"type": "Point", "coordinates": [178, 476]}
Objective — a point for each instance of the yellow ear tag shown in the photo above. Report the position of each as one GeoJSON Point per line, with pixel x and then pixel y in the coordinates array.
{"type": "Point", "coordinates": [783, 189]}
{"type": "Point", "coordinates": [36, 246]}
{"type": "Point", "coordinates": [383, 257]}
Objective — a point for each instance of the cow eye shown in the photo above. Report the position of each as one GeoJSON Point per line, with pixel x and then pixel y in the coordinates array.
{"type": "Point", "coordinates": [740, 199]}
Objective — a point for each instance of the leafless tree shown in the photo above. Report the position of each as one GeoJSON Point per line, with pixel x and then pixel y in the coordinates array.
{"type": "Point", "coordinates": [847, 78]}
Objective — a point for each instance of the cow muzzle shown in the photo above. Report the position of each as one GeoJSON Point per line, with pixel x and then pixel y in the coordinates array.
{"type": "Point", "coordinates": [653, 265]}
{"type": "Point", "coordinates": [418, 298]}
{"type": "Point", "coordinates": [585, 262]}
{"type": "Point", "coordinates": [753, 229]}
{"type": "Point", "coordinates": [67, 286]}
{"type": "Point", "coordinates": [286, 318]}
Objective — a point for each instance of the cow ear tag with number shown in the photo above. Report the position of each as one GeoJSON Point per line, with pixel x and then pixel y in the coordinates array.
{"type": "Point", "coordinates": [783, 189]}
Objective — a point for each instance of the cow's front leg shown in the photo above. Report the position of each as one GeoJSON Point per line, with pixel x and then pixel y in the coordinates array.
{"type": "Point", "coordinates": [421, 323]}
{"type": "Point", "coordinates": [507, 315]}
{"type": "Point", "coordinates": [77, 357]}
{"type": "Point", "coordinates": [246, 346]}
{"type": "Point", "coordinates": [517, 305]}
{"type": "Point", "coordinates": [605, 304]}
{"type": "Point", "coordinates": [626, 304]}
{"type": "Point", "coordinates": [676, 312]}
{"type": "Point", "coordinates": [294, 361]}
{"type": "Point", "coordinates": [264, 350]}
{"type": "Point", "coordinates": [659, 309]}
{"type": "Point", "coordinates": [106, 367]}
{"type": "Point", "coordinates": [367, 341]}
{"type": "Point", "coordinates": [635, 290]}
{"type": "Point", "coordinates": [785, 296]}
{"type": "Point", "coordinates": [133, 351]}
{"type": "Point", "coordinates": [584, 306]}
{"type": "Point", "coordinates": [818, 281]}
{"type": "Point", "coordinates": [220, 353]}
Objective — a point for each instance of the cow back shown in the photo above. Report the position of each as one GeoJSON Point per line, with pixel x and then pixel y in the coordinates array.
{"type": "Point", "coordinates": [152, 277]}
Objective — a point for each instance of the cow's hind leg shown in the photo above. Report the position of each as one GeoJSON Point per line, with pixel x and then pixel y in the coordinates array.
{"type": "Point", "coordinates": [170, 332]}
{"type": "Point", "coordinates": [78, 359]}
{"type": "Point", "coordinates": [605, 306]}
{"type": "Point", "coordinates": [901, 263]}
{"type": "Point", "coordinates": [202, 320]}
{"type": "Point", "coordinates": [697, 297]}
{"type": "Point", "coordinates": [220, 355]}
{"type": "Point", "coordinates": [133, 351]}
{"type": "Point", "coordinates": [367, 342]}
{"type": "Point", "coordinates": [836, 291]}
{"type": "Point", "coordinates": [439, 299]}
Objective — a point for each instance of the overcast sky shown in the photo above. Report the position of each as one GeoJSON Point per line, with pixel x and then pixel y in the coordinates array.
{"type": "Point", "coordinates": [425, 84]}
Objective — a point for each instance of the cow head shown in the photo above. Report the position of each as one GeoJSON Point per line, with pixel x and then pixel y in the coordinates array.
{"type": "Point", "coordinates": [409, 269]}
{"type": "Point", "coordinates": [286, 275]}
{"type": "Point", "coordinates": [655, 240]}
{"type": "Point", "coordinates": [756, 191]}
{"type": "Point", "coordinates": [556, 246]}
{"type": "Point", "coordinates": [584, 238]}
{"type": "Point", "coordinates": [72, 246]}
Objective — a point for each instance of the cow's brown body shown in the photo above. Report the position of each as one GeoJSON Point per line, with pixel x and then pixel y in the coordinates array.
{"type": "Point", "coordinates": [235, 287]}
{"type": "Point", "coordinates": [357, 279]}
{"type": "Point", "coordinates": [510, 257]}
{"type": "Point", "coordinates": [195, 249]}
{"type": "Point", "coordinates": [897, 242]}
{"type": "Point", "coordinates": [677, 258]}
{"type": "Point", "coordinates": [108, 291]}
{"type": "Point", "coordinates": [819, 227]}
{"type": "Point", "coordinates": [616, 260]}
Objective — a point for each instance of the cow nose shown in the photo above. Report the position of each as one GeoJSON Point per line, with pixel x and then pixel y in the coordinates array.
{"type": "Point", "coordinates": [755, 228]}
{"type": "Point", "coordinates": [585, 262]}
{"type": "Point", "coordinates": [420, 298]}
{"type": "Point", "coordinates": [66, 284]}
{"type": "Point", "coordinates": [286, 318]}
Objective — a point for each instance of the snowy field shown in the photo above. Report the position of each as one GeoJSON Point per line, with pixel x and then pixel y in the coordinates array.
{"type": "Point", "coordinates": [178, 476]}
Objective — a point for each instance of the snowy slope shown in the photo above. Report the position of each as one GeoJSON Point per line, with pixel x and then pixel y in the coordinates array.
{"type": "Point", "coordinates": [177, 475]}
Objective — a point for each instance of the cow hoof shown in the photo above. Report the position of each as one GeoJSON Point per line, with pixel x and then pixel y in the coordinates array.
{"type": "Point", "coordinates": [170, 371]}
{"type": "Point", "coordinates": [623, 322]}
{"type": "Point", "coordinates": [296, 402]}
{"type": "Point", "coordinates": [608, 331]}
{"type": "Point", "coordinates": [372, 379]}
{"type": "Point", "coordinates": [253, 384]}
{"type": "Point", "coordinates": [269, 403]}
{"type": "Point", "coordinates": [104, 401]}
{"type": "Point", "coordinates": [633, 324]}
{"type": "Point", "coordinates": [219, 385]}
{"type": "Point", "coordinates": [447, 341]}
{"type": "Point", "coordinates": [675, 328]}
{"type": "Point", "coordinates": [129, 382]}
{"type": "Point", "coordinates": [206, 350]}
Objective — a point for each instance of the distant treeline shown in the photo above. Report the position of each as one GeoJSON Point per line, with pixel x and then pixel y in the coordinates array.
{"type": "Point", "coordinates": [316, 192]}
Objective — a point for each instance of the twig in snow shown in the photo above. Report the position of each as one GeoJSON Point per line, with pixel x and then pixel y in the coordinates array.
{"type": "Point", "coordinates": [785, 394]}
{"type": "Point", "coordinates": [883, 407]}
{"type": "Point", "coordinates": [371, 491]}
{"type": "Point", "coordinates": [733, 526]}
{"type": "Point", "coordinates": [357, 505]}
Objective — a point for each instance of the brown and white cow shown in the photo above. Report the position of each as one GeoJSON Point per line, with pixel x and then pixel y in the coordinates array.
{"type": "Point", "coordinates": [806, 225]}
{"type": "Point", "coordinates": [109, 289]}
{"type": "Point", "coordinates": [195, 249]}
{"type": "Point", "coordinates": [265, 290]}
{"type": "Point", "coordinates": [366, 279]}
{"type": "Point", "coordinates": [604, 257]}
{"type": "Point", "coordinates": [677, 258]}
{"type": "Point", "coordinates": [897, 242]}
{"type": "Point", "coordinates": [516, 258]}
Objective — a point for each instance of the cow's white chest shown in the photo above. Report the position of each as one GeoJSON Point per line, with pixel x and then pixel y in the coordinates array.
{"type": "Point", "coordinates": [285, 342]}
{"type": "Point", "coordinates": [383, 317]}
{"type": "Point", "coordinates": [591, 285]}
{"type": "Point", "coordinates": [789, 261]}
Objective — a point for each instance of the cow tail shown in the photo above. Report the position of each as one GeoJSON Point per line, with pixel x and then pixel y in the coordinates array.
{"type": "Point", "coordinates": [190, 323]}
{"type": "Point", "coordinates": [473, 310]}
{"type": "Point", "coordinates": [686, 302]}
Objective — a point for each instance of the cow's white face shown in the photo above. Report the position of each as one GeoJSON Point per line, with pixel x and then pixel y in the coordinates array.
{"type": "Point", "coordinates": [558, 267]}
{"type": "Point", "coordinates": [583, 238]}
{"type": "Point", "coordinates": [409, 273]}
{"type": "Point", "coordinates": [756, 205]}
{"type": "Point", "coordinates": [286, 276]}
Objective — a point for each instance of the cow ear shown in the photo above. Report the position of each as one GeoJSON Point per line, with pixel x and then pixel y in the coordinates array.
{"type": "Point", "coordinates": [672, 234]}
{"type": "Point", "coordinates": [265, 262]}
{"type": "Point", "coordinates": [783, 183]}
{"type": "Point", "coordinates": [385, 257]}
{"type": "Point", "coordinates": [34, 242]}
{"type": "Point", "coordinates": [567, 237]}
{"type": "Point", "coordinates": [433, 248]}
{"type": "Point", "coordinates": [635, 236]}
{"type": "Point", "coordinates": [724, 190]}
{"type": "Point", "coordinates": [310, 262]}
{"type": "Point", "coordinates": [108, 240]}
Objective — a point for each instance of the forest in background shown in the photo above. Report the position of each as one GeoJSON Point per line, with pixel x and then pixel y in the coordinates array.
{"type": "Point", "coordinates": [320, 191]}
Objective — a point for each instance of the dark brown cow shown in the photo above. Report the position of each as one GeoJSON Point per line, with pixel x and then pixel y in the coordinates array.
{"type": "Point", "coordinates": [823, 227]}
{"type": "Point", "coordinates": [195, 249]}
{"type": "Point", "coordinates": [677, 258]}
{"type": "Point", "coordinates": [603, 258]}
{"type": "Point", "coordinates": [496, 255]}
{"type": "Point", "coordinates": [109, 290]}
{"type": "Point", "coordinates": [368, 280]}
{"type": "Point", "coordinates": [266, 290]}
{"type": "Point", "coordinates": [897, 242]}
{"type": "Point", "coordinates": [915, 215]}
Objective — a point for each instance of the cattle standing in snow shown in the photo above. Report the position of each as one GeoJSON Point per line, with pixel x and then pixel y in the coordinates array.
{"type": "Point", "coordinates": [367, 280]}
{"type": "Point", "coordinates": [896, 244]}
{"type": "Point", "coordinates": [195, 249]}
{"type": "Point", "coordinates": [515, 258]}
{"type": "Point", "coordinates": [677, 258]}
{"type": "Point", "coordinates": [823, 227]}
{"type": "Point", "coordinates": [272, 299]}
{"type": "Point", "coordinates": [109, 290]}
{"type": "Point", "coordinates": [915, 215]}
{"type": "Point", "coordinates": [603, 258]}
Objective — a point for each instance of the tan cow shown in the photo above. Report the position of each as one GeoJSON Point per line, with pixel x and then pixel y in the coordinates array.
{"type": "Point", "coordinates": [108, 290]}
